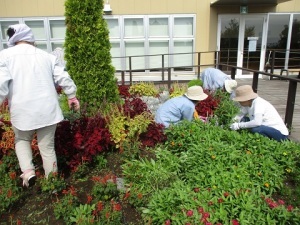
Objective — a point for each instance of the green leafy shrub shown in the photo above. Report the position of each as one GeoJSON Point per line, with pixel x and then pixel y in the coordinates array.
{"type": "Point", "coordinates": [225, 112]}
{"type": "Point", "coordinates": [143, 89]}
{"type": "Point", "coordinates": [148, 175]}
{"type": "Point", "coordinates": [83, 214]}
{"type": "Point", "coordinates": [87, 53]}
{"type": "Point", "coordinates": [177, 90]}
{"type": "Point", "coordinates": [64, 206]}
{"type": "Point", "coordinates": [103, 191]}
{"type": "Point", "coordinates": [222, 176]}
{"type": "Point", "coordinates": [195, 82]}
{"type": "Point", "coordinates": [55, 182]}
{"type": "Point", "coordinates": [10, 192]}
{"type": "Point", "coordinates": [127, 128]}
{"type": "Point", "coordinates": [181, 204]}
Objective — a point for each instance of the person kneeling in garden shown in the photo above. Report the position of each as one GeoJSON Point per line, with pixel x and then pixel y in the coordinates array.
{"type": "Point", "coordinates": [258, 115]}
{"type": "Point", "coordinates": [180, 108]}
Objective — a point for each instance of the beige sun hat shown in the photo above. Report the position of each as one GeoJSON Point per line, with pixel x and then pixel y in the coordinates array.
{"type": "Point", "coordinates": [195, 93]}
{"type": "Point", "coordinates": [244, 93]}
{"type": "Point", "coordinates": [230, 85]}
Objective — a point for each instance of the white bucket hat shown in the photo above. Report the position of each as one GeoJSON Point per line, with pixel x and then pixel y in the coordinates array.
{"type": "Point", "coordinates": [230, 85]}
{"type": "Point", "coordinates": [195, 93]}
{"type": "Point", "coordinates": [244, 93]}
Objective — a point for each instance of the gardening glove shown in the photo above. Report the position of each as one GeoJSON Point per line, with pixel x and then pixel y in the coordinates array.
{"type": "Point", "coordinates": [74, 104]}
{"type": "Point", "coordinates": [234, 126]}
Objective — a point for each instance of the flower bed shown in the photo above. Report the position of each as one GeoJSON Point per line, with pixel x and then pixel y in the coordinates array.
{"type": "Point", "coordinates": [193, 173]}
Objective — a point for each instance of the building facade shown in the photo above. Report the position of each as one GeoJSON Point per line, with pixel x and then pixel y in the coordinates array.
{"type": "Point", "coordinates": [169, 33]}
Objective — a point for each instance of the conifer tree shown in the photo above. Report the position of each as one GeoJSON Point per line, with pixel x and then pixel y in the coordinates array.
{"type": "Point", "coordinates": [87, 52]}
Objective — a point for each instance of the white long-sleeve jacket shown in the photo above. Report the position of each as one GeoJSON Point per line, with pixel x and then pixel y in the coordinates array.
{"type": "Point", "coordinates": [27, 79]}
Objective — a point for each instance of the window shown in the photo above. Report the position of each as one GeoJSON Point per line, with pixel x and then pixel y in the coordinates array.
{"type": "Point", "coordinates": [136, 36]}
{"type": "Point", "coordinates": [158, 27]}
{"type": "Point", "coordinates": [295, 42]}
{"type": "Point", "coordinates": [185, 56]}
{"type": "Point", "coordinates": [156, 48]}
{"type": "Point", "coordinates": [114, 29]}
{"type": "Point", "coordinates": [115, 52]}
{"type": "Point", "coordinates": [183, 44]}
{"type": "Point", "coordinates": [183, 26]}
{"type": "Point", "coordinates": [277, 36]}
{"type": "Point", "coordinates": [4, 26]}
{"type": "Point", "coordinates": [38, 29]}
{"type": "Point", "coordinates": [134, 27]}
{"type": "Point", "coordinates": [137, 49]}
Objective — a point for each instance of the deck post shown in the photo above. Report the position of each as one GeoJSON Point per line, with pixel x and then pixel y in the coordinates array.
{"type": "Point", "coordinates": [290, 105]}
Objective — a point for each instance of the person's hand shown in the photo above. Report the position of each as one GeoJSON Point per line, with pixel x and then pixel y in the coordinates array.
{"type": "Point", "coordinates": [74, 103]}
{"type": "Point", "coordinates": [234, 126]}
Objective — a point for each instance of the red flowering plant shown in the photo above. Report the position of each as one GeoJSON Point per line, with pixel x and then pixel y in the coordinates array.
{"type": "Point", "coordinates": [108, 212]}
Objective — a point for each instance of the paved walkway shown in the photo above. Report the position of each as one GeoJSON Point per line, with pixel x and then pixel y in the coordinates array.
{"type": "Point", "coordinates": [275, 91]}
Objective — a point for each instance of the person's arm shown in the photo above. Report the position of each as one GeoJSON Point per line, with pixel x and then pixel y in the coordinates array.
{"type": "Point", "coordinates": [188, 113]}
{"type": "Point", "coordinates": [257, 121]}
{"type": "Point", "coordinates": [243, 112]}
{"type": "Point", "coordinates": [63, 79]}
{"type": "Point", "coordinates": [4, 81]}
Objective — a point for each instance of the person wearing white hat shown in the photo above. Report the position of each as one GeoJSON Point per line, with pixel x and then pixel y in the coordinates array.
{"type": "Point", "coordinates": [214, 79]}
{"type": "Point", "coordinates": [258, 115]}
{"type": "Point", "coordinates": [180, 108]}
{"type": "Point", "coordinates": [27, 79]}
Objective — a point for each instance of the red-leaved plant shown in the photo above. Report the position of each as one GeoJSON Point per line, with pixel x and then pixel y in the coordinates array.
{"type": "Point", "coordinates": [207, 106]}
{"type": "Point", "coordinates": [124, 91]}
{"type": "Point", "coordinates": [153, 135]}
{"type": "Point", "coordinates": [134, 106]}
{"type": "Point", "coordinates": [82, 139]}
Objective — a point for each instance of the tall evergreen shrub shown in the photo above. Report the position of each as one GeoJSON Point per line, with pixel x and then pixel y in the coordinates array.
{"type": "Point", "coordinates": [87, 52]}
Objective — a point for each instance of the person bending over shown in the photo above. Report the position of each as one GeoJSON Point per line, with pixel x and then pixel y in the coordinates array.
{"type": "Point", "coordinates": [180, 108]}
{"type": "Point", "coordinates": [214, 79]}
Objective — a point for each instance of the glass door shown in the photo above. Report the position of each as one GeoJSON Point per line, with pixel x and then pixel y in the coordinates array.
{"type": "Point", "coordinates": [241, 41]}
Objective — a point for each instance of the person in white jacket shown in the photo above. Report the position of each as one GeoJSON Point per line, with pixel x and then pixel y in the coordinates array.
{"type": "Point", "coordinates": [258, 115]}
{"type": "Point", "coordinates": [28, 76]}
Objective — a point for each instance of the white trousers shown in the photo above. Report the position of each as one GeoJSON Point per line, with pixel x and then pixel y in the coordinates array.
{"type": "Point", "coordinates": [45, 138]}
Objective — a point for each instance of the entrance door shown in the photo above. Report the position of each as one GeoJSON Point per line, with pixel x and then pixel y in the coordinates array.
{"type": "Point", "coordinates": [241, 42]}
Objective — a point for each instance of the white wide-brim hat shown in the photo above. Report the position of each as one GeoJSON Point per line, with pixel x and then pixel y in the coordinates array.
{"type": "Point", "coordinates": [244, 93]}
{"type": "Point", "coordinates": [195, 93]}
{"type": "Point", "coordinates": [230, 85]}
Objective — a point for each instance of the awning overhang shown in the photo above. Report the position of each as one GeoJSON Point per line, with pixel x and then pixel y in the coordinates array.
{"type": "Point", "coordinates": [246, 2]}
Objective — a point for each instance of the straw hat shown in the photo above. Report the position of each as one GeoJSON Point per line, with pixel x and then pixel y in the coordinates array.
{"type": "Point", "coordinates": [195, 93]}
{"type": "Point", "coordinates": [244, 93]}
{"type": "Point", "coordinates": [230, 85]}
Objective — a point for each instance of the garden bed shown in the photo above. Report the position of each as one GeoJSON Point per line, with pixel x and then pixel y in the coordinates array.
{"type": "Point", "coordinates": [193, 173]}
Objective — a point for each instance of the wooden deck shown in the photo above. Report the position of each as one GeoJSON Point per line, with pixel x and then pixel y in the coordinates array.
{"type": "Point", "coordinates": [276, 91]}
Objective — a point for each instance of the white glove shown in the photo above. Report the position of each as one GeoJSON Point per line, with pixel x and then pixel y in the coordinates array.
{"type": "Point", "coordinates": [234, 126]}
